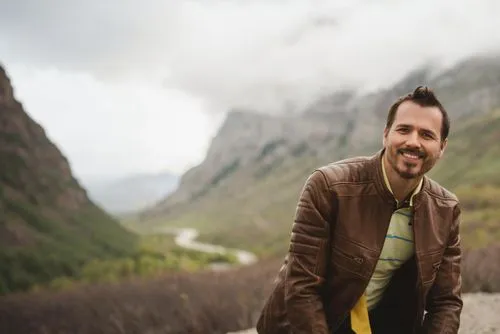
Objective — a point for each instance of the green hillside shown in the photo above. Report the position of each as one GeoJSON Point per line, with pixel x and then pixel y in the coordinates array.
{"type": "Point", "coordinates": [255, 208]}
{"type": "Point", "coordinates": [62, 246]}
{"type": "Point", "coordinates": [470, 167]}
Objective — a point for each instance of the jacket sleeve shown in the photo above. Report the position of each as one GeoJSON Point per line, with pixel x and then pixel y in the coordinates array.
{"type": "Point", "coordinates": [444, 302]}
{"type": "Point", "coordinates": [307, 255]}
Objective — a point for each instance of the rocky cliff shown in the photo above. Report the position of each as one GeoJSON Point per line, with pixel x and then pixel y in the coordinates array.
{"type": "Point", "coordinates": [48, 225]}
{"type": "Point", "coordinates": [32, 167]}
{"type": "Point", "coordinates": [250, 138]}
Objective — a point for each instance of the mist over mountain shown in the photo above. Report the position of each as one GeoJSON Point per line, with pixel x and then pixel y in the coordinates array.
{"type": "Point", "coordinates": [247, 186]}
{"type": "Point", "coordinates": [338, 124]}
{"type": "Point", "coordinates": [131, 193]}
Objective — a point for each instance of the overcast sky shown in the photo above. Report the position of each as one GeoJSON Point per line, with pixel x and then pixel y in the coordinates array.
{"type": "Point", "coordinates": [126, 87]}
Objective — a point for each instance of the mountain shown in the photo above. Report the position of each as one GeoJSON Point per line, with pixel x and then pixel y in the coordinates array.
{"type": "Point", "coordinates": [48, 225]}
{"type": "Point", "coordinates": [131, 193]}
{"type": "Point", "coordinates": [247, 187]}
{"type": "Point", "coordinates": [249, 138]}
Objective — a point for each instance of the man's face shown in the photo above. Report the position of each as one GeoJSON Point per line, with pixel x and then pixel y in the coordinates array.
{"type": "Point", "coordinates": [413, 142]}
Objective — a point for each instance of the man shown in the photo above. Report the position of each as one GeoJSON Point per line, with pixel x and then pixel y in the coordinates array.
{"type": "Point", "coordinates": [375, 245]}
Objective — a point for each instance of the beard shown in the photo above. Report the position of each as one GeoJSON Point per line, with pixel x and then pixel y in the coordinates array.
{"type": "Point", "coordinates": [406, 169]}
{"type": "Point", "coordinates": [406, 174]}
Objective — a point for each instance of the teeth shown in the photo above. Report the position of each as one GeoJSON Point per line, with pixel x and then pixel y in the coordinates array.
{"type": "Point", "coordinates": [411, 155]}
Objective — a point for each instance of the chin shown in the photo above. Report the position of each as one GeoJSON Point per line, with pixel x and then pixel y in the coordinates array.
{"type": "Point", "coordinates": [408, 174]}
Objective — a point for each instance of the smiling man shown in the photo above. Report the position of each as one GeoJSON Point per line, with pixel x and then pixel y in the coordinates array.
{"type": "Point", "coordinates": [375, 244]}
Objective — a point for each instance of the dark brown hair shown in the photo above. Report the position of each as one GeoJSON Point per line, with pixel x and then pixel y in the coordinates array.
{"type": "Point", "coordinates": [424, 97]}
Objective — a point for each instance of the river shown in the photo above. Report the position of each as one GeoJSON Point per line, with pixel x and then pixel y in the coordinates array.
{"type": "Point", "coordinates": [186, 238]}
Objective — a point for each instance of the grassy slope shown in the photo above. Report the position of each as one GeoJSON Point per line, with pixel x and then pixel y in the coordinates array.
{"type": "Point", "coordinates": [64, 244]}
{"type": "Point", "coordinates": [47, 227]}
{"type": "Point", "coordinates": [470, 168]}
{"type": "Point", "coordinates": [257, 214]}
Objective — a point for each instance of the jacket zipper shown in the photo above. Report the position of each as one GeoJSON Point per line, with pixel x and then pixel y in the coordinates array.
{"type": "Point", "coordinates": [371, 274]}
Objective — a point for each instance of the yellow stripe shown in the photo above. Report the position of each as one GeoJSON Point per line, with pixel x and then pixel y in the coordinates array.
{"type": "Point", "coordinates": [360, 321]}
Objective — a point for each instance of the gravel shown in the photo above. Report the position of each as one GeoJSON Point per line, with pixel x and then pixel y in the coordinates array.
{"type": "Point", "coordinates": [481, 315]}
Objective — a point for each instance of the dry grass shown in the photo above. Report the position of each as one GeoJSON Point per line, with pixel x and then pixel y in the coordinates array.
{"type": "Point", "coordinates": [481, 269]}
{"type": "Point", "coordinates": [208, 302]}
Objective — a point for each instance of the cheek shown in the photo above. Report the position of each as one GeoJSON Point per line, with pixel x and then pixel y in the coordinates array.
{"type": "Point", "coordinates": [434, 152]}
{"type": "Point", "coordinates": [396, 140]}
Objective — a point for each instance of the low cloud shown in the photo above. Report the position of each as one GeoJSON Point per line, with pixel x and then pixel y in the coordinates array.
{"type": "Point", "coordinates": [260, 55]}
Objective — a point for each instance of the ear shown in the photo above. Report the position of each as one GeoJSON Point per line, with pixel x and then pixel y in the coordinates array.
{"type": "Point", "coordinates": [444, 144]}
{"type": "Point", "coordinates": [384, 138]}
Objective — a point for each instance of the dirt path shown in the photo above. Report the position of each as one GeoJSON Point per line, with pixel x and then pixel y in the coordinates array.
{"type": "Point", "coordinates": [481, 315]}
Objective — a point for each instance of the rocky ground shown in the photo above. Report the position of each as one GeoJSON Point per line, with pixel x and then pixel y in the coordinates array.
{"type": "Point", "coordinates": [481, 315]}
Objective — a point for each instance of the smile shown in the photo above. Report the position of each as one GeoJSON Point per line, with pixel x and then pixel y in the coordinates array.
{"type": "Point", "coordinates": [411, 155]}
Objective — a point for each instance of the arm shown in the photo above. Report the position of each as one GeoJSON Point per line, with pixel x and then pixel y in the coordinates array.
{"type": "Point", "coordinates": [307, 255]}
{"type": "Point", "coordinates": [444, 303]}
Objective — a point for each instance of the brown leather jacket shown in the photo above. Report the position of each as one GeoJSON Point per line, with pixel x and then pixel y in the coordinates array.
{"type": "Point", "coordinates": [339, 229]}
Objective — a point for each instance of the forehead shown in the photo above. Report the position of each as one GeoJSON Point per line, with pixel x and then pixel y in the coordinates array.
{"type": "Point", "coordinates": [410, 113]}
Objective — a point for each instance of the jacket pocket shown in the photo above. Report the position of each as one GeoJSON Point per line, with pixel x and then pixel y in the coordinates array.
{"type": "Point", "coordinates": [348, 256]}
{"type": "Point", "coordinates": [431, 263]}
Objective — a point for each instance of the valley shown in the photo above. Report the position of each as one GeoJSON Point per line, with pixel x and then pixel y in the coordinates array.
{"type": "Point", "coordinates": [204, 257]}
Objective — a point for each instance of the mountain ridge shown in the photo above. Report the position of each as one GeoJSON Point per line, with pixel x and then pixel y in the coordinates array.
{"type": "Point", "coordinates": [342, 119]}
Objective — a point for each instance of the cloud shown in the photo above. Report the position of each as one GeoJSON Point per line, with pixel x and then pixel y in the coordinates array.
{"type": "Point", "coordinates": [107, 38]}
{"type": "Point", "coordinates": [249, 53]}
{"type": "Point", "coordinates": [261, 54]}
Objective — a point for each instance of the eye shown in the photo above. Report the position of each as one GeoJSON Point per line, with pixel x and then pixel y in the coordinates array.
{"type": "Point", "coordinates": [403, 130]}
{"type": "Point", "coordinates": [427, 135]}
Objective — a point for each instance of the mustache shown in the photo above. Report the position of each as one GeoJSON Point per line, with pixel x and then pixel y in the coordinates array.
{"type": "Point", "coordinates": [418, 153]}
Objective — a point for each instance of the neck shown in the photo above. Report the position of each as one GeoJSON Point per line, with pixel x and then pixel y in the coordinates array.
{"type": "Point", "coordinates": [400, 187]}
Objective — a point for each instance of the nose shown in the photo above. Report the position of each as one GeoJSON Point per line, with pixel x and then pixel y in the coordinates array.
{"type": "Point", "coordinates": [413, 139]}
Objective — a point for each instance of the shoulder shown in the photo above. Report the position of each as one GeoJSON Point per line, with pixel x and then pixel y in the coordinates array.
{"type": "Point", "coordinates": [349, 170]}
{"type": "Point", "coordinates": [439, 194]}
